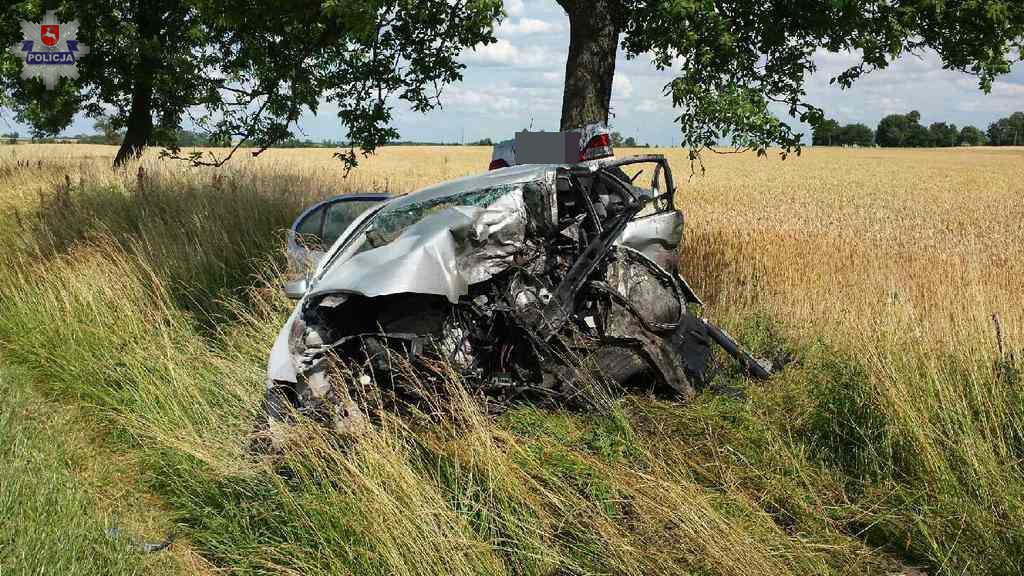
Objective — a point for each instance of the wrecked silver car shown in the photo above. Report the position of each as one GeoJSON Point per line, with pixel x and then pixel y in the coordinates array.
{"type": "Point", "coordinates": [516, 277]}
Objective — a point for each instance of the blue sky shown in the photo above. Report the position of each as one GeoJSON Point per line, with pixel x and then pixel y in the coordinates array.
{"type": "Point", "coordinates": [518, 81]}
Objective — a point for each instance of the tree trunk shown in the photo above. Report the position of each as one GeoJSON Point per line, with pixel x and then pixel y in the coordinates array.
{"type": "Point", "coordinates": [139, 126]}
{"type": "Point", "coordinates": [590, 67]}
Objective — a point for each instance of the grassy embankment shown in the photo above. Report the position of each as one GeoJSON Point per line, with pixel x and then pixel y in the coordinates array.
{"type": "Point", "coordinates": [896, 439]}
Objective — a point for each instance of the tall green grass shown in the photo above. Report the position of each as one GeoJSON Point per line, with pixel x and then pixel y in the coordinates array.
{"type": "Point", "coordinates": [51, 519]}
{"type": "Point", "coordinates": [206, 239]}
{"type": "Point", "coordinates": [155, 310]}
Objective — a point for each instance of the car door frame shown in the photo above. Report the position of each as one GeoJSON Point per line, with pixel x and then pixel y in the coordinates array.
{"type": "Point", "coordinates": [293, 244]}
{"type": "Point", "coordinates": [299, 254]}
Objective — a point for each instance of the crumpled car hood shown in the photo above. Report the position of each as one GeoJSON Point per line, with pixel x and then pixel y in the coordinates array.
{"type": "Point", "coordinates": [442, 239]}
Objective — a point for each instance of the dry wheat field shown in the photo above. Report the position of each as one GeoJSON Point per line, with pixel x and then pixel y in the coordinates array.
{"type": "Point", "coordinates": [137, 305]}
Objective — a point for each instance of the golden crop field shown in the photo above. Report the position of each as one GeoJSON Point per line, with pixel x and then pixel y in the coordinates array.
{"type": "Point", "coordinates": [832, 235]}
{"type": "Point", "coordinates": [895, 438]}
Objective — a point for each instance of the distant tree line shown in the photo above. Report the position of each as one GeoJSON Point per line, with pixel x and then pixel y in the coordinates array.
{"type": "Point", "coordinates": [830, 133]}
{"type": "Point", "coordinates": [627, 142]}
{"type": "Point", "coordinates": [895, 130]}
{"type": "Point", "coordinates": [906, 131]}
{"type": "Point", "coordinates": [1007, 131]}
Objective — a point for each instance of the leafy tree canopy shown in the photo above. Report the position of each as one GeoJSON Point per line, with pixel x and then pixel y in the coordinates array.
{"type": "Point", "coordinates": [906, 130]}
{"type": "Point", "coordinates": [737, 57]}
{"type": "Point", "coordinates": [823, 133]}
{"type": "Point", "coordinates": [829, 133]}
{"type": "Point", "coordinates": [245, 71]}
{"type": "Point", "coordinates": [901, 130]}
{"type": "Point", "coordinates": [942, 135]}
{"type": "Point", "coordinates": [109, 132]}
{"type": "Point", "coordinates": [971, 136]}
{"type": "Point", "coordinates": [1007, 131]}
{"type": "Point", "coordinates": [856, 135]}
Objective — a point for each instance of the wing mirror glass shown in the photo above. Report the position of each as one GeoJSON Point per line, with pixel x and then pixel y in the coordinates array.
{"type": "Point", "coordinates": [301, 274]}
{"type": "Point", "coordinates": [296, 289]}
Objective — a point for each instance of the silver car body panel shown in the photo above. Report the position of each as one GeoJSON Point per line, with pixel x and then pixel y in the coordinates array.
{"type": "Point", "coordinates": [279, 365]}
{"type": "Point", "coordinates": [654, 235]}
{"type": "Point", "coordinates": [441, 239]}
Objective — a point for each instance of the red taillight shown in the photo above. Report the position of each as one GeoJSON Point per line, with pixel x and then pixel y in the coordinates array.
{"type": "Point", "coordinates": [600, 146]}
{"type": "Point", "coordinates": [497, 163]}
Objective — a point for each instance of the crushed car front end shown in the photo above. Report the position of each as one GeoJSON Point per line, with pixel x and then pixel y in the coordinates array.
{"type": "Point", "coordinates": [503, 276]}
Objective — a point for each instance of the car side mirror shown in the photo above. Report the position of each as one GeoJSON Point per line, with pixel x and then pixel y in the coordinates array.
{"type": "Point", "coordinates": [296, 289]}
{"type": "Point", "coordinates": [301, 268]}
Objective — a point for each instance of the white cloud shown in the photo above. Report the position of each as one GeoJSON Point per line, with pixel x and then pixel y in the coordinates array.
{"type": "Point", "coordinates": [529, 26]}
{"type": "Point", "coordinates": [649, 105]}
{"type": "Point", "coordinates": [554, 78]}
{"type": "Point", "coordinates": [643, 65]}
{"type": "Point", "coordinates": [479, 100]}
{"type": "Point", "coordinates": [513, 7]}
{"type": "Point", "coordinates": [622, 87]}
{"type": "Point", "coordinates": [1008, 89]}
{"type": "Point", "coordinates": [503, 99]}
{"type": "Point", "coordinates": [506, 54]}
{"type": "Point", "coordinates": [887, 104]}
{"type": "Point", "coordinates": [831, 64]}
{"type": "Point", "coordinates": [1005, 98]}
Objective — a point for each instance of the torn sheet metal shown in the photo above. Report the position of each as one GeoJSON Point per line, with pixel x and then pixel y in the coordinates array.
{"type": "Point", "coordinates": [442, 239]}
{"type": "Point", "coordinates": [657, 236]}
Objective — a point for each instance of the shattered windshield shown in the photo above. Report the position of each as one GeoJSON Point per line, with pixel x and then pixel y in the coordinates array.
{"type": "Point", "coordinates": [486, 190]}
{"type": "Point", "coordinates": [393, 220]}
